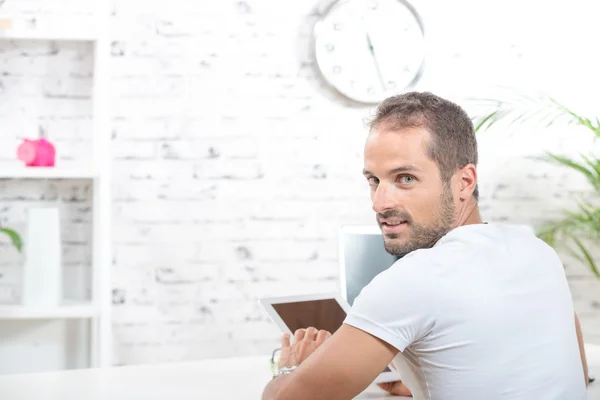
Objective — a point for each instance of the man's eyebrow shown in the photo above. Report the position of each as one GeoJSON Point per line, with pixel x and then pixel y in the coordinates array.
{"type": "Point", "coordinates": [402, 168]}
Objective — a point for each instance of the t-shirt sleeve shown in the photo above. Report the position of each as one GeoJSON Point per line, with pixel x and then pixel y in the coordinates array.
{"type": "Point", "coordinates": [398, 305]}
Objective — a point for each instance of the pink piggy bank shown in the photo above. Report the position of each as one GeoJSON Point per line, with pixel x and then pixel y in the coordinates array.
{"type": "Point", "coordinates": [36, 153]}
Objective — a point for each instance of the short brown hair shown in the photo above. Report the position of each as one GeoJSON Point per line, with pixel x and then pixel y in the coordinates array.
{"type": "Point", "coordinates": [453, 142]}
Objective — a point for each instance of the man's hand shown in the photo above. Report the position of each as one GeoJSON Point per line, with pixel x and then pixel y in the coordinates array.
{"type": "Point", "coordinates": [395, 388]}
{"type": "Point", "coordinates": [331, 368]}
{"type": "Point", "coordinates": [306, 341]}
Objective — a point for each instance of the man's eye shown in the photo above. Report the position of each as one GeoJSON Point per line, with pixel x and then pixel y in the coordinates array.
{"type": "Point", "coordinates": [373, 181]}
{"type": "Point", "coordinates": [406, 179]}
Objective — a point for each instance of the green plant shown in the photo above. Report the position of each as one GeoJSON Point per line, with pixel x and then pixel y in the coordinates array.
{"type": "Point", "coordinates": [579, 227]}
{"type": "Point", "coordinates": [15, 238]}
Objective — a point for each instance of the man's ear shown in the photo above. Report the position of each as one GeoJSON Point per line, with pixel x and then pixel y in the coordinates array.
{"type": "Point", "coordinates": [467, 176]}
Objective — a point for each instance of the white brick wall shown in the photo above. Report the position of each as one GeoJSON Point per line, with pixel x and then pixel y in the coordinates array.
{"type": "Point", "coordinates": [234, 166]}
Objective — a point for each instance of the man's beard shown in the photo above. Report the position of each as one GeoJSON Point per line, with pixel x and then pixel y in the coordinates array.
{"type": "Point", "coordinates": [421, 236]}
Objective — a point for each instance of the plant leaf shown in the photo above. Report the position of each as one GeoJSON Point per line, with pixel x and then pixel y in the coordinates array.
{"type": "Point", "coordinates": [14, 237]}
{"type": "Point", "coordinates": [590, 173]}
{"type": "Point", "coordinates": [489, 117]}
{"type": "Point", "coordinates": [580, 119]}
{"type": "Point", "coordinates": [595, 167]}
{"type": "Point", "coordinates": [521, 108]}
{"type": "Point", "coordinates": [588, 258]}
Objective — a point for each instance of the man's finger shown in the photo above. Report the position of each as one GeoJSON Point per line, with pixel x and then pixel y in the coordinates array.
{"type": "Point", "coordinates": [400, 389]}
{"type": "Point", "coordinates": [299, 335]}
{"type": "Point", "coordinates": [311, 333]}
{"type": "Point", "coordinates": [387, 386]}
{"type": "Point", "coordinates": [322, 336]}
{"type": "Point", "coordinates": [285, 341]}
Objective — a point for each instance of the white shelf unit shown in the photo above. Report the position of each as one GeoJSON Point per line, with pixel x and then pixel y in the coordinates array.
{"type": "Point", "coordinates": [81, 28]}
{"type": "Point", "coordinates": [94, 29]}
{"type": "Point", "coordinates": [64, 311]}
{"type": "Point", "coordinates": [48, 173]}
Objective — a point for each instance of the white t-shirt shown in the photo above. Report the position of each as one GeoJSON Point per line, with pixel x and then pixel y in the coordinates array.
{"type": "Point", "coordinates": [484, 314]}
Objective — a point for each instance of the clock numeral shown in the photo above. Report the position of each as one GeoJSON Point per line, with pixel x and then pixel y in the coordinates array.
{"type": "Point", "coordinates": [329, 47]}
{"type": "Point", "coordinates": [337, 26]}
{"type": "Point", "coordinates": [370, 90]}
{"type": "Point", "coordinates": [337, 69]}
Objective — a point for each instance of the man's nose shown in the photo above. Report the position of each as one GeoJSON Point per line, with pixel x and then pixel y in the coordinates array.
{"type": "Point", "coordinates": [383, 199]}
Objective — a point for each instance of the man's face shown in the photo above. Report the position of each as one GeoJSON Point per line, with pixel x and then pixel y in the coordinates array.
{"type": "Point", "coordinates": [414, 207]}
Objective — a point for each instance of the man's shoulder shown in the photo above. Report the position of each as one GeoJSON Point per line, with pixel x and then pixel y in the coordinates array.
{"type": "Point", "coordinates": [406, 282]}
{"type": "Point", "coordinates": [480, 236]}
{"type": "Point", "coordinates": [490, 231]}
{"type": "Point", "coordinates": [412, 267]}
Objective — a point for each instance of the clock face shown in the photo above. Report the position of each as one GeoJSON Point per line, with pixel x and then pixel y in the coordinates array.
{"type": "Point", "coordinates": [370, 49]}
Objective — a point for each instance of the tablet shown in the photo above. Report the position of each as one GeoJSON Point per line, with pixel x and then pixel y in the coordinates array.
{"type": "Point", "coordinates": [322, 311]}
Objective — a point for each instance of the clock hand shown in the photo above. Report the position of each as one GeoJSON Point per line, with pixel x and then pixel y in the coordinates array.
{"type": "Point", "coordinates": [372, 50]}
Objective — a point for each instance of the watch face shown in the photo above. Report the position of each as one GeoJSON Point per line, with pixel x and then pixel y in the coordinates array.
{"type": "Point", "coordinates": [370, 49]}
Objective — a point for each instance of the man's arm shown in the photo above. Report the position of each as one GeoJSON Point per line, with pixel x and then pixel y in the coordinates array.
{"type": "Point", "coordinates": [341, 368]}
{"type": "Point", "coordinates": [581, 349]}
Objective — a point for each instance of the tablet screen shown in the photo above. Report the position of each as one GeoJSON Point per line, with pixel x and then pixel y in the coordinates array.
{"type": "Point", "coordinates": [324, 314]}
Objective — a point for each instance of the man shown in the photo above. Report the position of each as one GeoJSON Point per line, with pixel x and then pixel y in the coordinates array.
{"type": "Point", "coordinates": [471, 311]}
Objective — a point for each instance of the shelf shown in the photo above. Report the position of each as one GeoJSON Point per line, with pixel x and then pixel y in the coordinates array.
{"type": "Point", "coordinates": [66, 311]}
{"type": "Point", "coordinates": [73, 28]}
{"type": "Point", "coordinates": [47, 173]}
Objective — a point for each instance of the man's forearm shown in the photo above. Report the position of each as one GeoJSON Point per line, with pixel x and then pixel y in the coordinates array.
{"type": "Point", "coordinates": [581, 350]}
{"type": "Point", "coordinates": [274, 388]}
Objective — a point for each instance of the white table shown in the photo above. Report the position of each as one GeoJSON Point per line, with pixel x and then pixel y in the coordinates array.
{"type": "Point", "coordinates": [227, 379]}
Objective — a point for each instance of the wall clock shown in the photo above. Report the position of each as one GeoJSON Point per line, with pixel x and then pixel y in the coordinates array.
{"type": "Point", "coordinates": [368, 50]}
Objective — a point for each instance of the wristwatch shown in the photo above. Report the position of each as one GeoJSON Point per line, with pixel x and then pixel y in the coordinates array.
{"type": "Point", "coordinates": [283, 371]}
